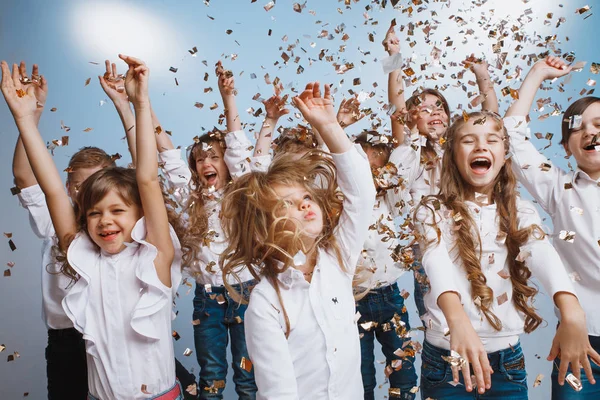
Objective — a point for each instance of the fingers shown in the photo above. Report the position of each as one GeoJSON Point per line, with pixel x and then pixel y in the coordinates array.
{"type": "Point", "coordinates": [107, 66]}
{"type": "Point", "coordinates": [554, 350]}
{"type": "Point", "coordinates": [327, 92]}
{"type": "Point", "coordinates": [487, 370]}
{"type": "Point", "coordinates": [316, 90]}
{"type": "Point", "coordinates": [587, 367]}
{"type": "Point", "coordinates": [35, 70]}
{"type": "Point", "coordinates": [16, 76]}
{"type": "Point", "coordinates": [300, 105]}
{"type": "Point", "coordinates": [478, 371]}
{"type": "Point", "coordinates": [455, 374]}
{"type": "Point", "coordinates": [562, 371]}
{"type": "Point", "coordinates": [594, 356]}
{"type": "Point", "coordinates": [6, 80]}
{"type": "Point", "coordinates": [466, 371]}
{"type": "Point", "coordinates": [131, 60]}
{"type": "Point", "coordinates": [22, 69]}
{"type": "Point", "coordinates": [43, 83]}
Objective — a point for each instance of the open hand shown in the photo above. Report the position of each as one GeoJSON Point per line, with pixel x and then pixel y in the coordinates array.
{"type": "Point", "coordinates": [275, 105]}
{"type": "Point", "coordinates": [551, 67]}
{"type": "Point", "coordinates": [20, 94]}
{"type": "Point", "coordinates": [391, 43]}
{"type": "Point", "coordinates": [349, 113]}
{"type": "Point", "coordinates": [477, 65]}
{"type": "Point", "coordinates": [465, 341]}
{"type": "Point", "coordinates": [317, 109]}
{"type": "Point", "coordinates": [113, 84]}
{"type": "Point", "coordinates": [136, 80]}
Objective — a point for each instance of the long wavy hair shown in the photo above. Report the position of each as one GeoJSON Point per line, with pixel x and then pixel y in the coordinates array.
{"type": "Point", "coordinates": [195, 208]}
{"type": "Point", "coordinates": [453, 194]}
{"type": "Point", "coordinates": [263, 241]}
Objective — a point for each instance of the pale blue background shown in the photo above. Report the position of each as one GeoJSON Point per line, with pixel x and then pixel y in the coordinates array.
{"type": "Point", "coordinates": [64, 36]}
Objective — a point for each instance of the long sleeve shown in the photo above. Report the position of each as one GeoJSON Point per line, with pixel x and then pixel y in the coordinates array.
{"type": "Point", "coordinates": [268, 350]}
{"type": "Point", "coordinates": [238, 153]}
{"type": "Point", "coordinates": [541, 257]}
{"type": "Point", "coordinates": [441, 271]}
{"type": "Point", "coordinates": [32, 198]}
{"type": "Point", "coordinates": [177, 173]}
{"type": "Point", "coordinates": [356, 183]}
{"type": "Point", "coordinates": [542, 179]}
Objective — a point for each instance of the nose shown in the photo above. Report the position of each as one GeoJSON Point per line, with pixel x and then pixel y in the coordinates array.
{"type": "Point", "coordinates": [104, 219]}
{"type": "Point", "coordinates": [304, 205]}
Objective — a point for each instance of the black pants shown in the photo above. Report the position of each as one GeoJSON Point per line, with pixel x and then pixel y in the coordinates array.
{"type": "Point", "coordinates": [66, 366]}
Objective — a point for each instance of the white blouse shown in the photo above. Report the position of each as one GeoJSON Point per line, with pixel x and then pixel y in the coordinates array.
{"type": "Point", "coordinates": [124, 312]}
{"type": "Point", "coordinates": [572, 199]}
{"type": "Point", "coordinates": [54, 284]}
{"type": "Point", "coordinates": [447, 274]}
{"type": "Point", "coordinates": [206, 269]}
{"type": "Point", "coordinates": [321, 357]}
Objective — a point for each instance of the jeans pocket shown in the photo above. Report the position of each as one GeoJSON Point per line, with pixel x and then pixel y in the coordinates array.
{"type": "Point", "coordinates": [514, 370]}
{"type": "Point", "coordinates": [434, 374]}
{"type": "Point", "coordinates": [199, 306]}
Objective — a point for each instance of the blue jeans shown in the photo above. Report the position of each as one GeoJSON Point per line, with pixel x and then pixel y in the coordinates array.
{"type": "Point", "coordinates": [380, 306]}
{"type": "Point", "coordinates": [589, 391]}
{"type": "Point", "coordinates": [509, 380]}
{"type": "Point", "coordinates": [215, 313]}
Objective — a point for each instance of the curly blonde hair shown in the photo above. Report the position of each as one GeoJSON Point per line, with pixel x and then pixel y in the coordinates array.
{"type": "Point", "coordinates": [453, 194]}
{"type": "Point", "coordinates": [261, 240]}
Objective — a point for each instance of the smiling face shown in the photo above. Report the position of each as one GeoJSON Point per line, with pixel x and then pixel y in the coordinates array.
{"type": "Point", "coordinates": [580, 143]}
{"type": "Point", "coordinates": [110, 222]}
{"type": "Point", "coordinates": [210, 166]}
{"type": "Point", "coordinates": [298, 205]}
{"type": "Point", "coordinates": [432, 119]}
{"type": "Point", "coordinates": [479, 154]}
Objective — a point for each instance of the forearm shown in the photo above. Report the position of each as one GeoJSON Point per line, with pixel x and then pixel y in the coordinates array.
{"type": "Point", "coordinates": [449, 303]}
{"type": "Point", "coordinates": [396, 99]}
{"type": "Point", "coordinates": [163, 141]}
{"type": "Point", "coordinates": [147, 163]}
{"type": "Point", "coordinates": [568, 305]}
{"type": "Point", "coordinates": [232, 117]}
{"type": "Point", "coordinates": [335, 138]}
{"type": "Point", "coordinates": [128, 122]}
{"type": "Point", "coordinates": [265, 136]}
{"type": "Point", "coordinates": [522, 105]}
{"type": "Point", "coordinates": [22, 171]}
{"type": "Point", "coordinates": [486, 88]}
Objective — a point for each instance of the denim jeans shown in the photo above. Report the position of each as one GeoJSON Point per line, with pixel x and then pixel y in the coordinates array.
{"type": "Point", "coordinates": [215, 315]}
{"type": "Point", "coordinates": [589, 391]}
{"type": "Point", "coordinates": [509, 380]}
{"type": "Point", "coordinates": [380, 306]}
{"type": "Point", "coordinates": [66, 365]}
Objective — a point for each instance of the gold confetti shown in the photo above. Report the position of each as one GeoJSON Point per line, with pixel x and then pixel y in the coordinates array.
{"type": "Point", "coordinates": [455, 359]}
{"type": "Point", "coordinates": [21, 93]}
{"type": "Point", "coordinates": [574, 382]}
{"type": "Point", "coordinates": [187, 352]}
{"type": "Point", "coordinates": [523, 255]}
{"type": "Point", "coordinates": [88, 129]}
{"type": "Point", "coordinates": [567, 236]}
{"type": "Point", "coordinates": [2, 347]}
{"type": "Point", "coordinates": [545, 167]}
{"type": "Point", "coordinates": [269, 5]}
{"type": "Point", "coordinates": [595, 68]}
{"type": "Point", "coordinates": [503, 298]}
{"type": "Point", "coordinates": [144, 389]}
{"type": "Point", "coordinates": [246, 364]}
{"type": "Point", "coordinates": [87, 81]}
{"type": "Point", "coordinates": [538, 380]}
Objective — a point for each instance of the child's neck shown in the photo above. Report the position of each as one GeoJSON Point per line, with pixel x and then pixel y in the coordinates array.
{"type": "Point", "coordinates": [594, 174]}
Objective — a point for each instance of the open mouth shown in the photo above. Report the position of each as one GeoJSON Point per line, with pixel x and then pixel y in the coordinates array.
{"type": "Point", "coordinates": [480, 165]}
{"type": "Point", "coordinates": [436, 122]}
{"type": "Point", "coordinates": [592, 146]}
{"type": "Point", "coordinates": [108, 235]}
{"type": "Point", "coordinates": [211, 178]}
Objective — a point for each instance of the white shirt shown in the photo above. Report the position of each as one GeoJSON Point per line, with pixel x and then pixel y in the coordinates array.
{"type": "Point", "coordinates": [382, 239]}
{"type": "Point", "coordinates": [124, 312]}
{"type": "Point", "coordinates": [54, 283]}
{"type": "Point", "coordinates": [572, 199]}
{"type": "Point", "coordinates": [321, 357]}
{"type": "Point", "coordinates": [418, 179]}
{"type": "Point", "coordinates": [206, 269]}
{"type": "Point", "coordinates": [446, 273]}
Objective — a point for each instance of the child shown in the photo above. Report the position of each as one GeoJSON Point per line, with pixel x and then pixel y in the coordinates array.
{"type": "Point", "coordinates": [113, 85]}
{"type": "Point", "coordinates": [572, 199]}
{"type": "Point", "coordinates": [122, 299]}
{"type": "Point", "coordinates": [213, 161]}
{"type": "Point", "coordinates": [289, 223]}
{"type": "Point", "coordinates": [481, 245]}
{"type": "Point", "coordinates": [382, 311]}
{"type": "Point", "coordinates": [65, 353]}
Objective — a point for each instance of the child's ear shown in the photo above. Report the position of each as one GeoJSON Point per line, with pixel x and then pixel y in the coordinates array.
{"type": "Point", "coordinates": [566, 146]}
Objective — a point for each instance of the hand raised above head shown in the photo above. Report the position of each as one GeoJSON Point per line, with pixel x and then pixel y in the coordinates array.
{"type": "Point", "coordinates": [136, 80]}
{"type": "Point", "coordinates": [391, 43]}
{"type": "Point", "coordinates": [317, 109]}
{"type": "Point", "coordinates": [551, 67]}
{"type": "Point", "coordinates": [275, 105]}
{"type": "Point", "coordinates": [225, 80]}
{"type": "Point", "coordinates": [349, 112]}
{"type": "Point", "coordinates": [20, 93]}
{"type": "Point", "coordinates": [113, 84]}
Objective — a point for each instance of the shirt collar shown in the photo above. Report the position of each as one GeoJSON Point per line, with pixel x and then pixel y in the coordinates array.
{"type": "Point", "coordinates": [580, 174]}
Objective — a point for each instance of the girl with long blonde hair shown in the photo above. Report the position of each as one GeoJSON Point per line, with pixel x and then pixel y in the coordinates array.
{"type": "Point", "coordinates": [303, 239]}
{"type": "Point", "coordinates": [482, 243]}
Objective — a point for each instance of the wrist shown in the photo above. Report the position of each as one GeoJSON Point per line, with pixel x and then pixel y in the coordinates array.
{"type": "Point", "coordinates": [270, 120]}
{"type": "Point", "coordinates": [141, 105]}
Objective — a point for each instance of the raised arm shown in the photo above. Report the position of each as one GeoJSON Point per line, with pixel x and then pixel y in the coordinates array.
{"type": "Point", "coordinates": [228, 92]}
{"type": "Point", "coordinates": [113, 85]}
{"type": "Point", "coordinates": [22, 171]}
{"type": "Point", "coordinates": [275, 108]}
{"type": "Point", "coordinates": [480, 68]}
{"type": "Point", "coordinates": [157, 223]}
{"type": "Point", "coordinates": [549, 68]}
{"type": "Point", "coordinates": [23, 105]}
{"type": "Point", "coordinates": [393, 64]}
{"type": "Point", "coordinates": [349, 112]}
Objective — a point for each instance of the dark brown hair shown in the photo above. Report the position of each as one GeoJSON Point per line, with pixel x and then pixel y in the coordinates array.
{"type": "Point", "coordinates": [577, 108]}
{"type": "Point", "coordinates": [89, 157]}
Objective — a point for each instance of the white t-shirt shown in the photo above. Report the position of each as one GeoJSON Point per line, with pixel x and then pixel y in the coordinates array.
{"type": "Point", "coordinates": [124, 312]}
